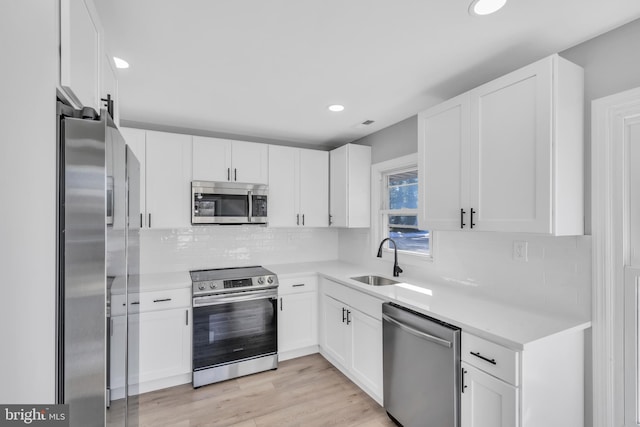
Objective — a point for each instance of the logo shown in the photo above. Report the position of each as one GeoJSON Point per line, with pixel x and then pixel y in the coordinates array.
{"type": "Point", "coordinates": [35, 415]}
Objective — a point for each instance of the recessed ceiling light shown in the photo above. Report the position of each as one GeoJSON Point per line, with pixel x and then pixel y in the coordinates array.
{"type": "Point", "coordinates": [336, 108]}
{"type": "Point", "coordinates": [485, 7]}
{"type": "Point", "coordinates": [120, 63]}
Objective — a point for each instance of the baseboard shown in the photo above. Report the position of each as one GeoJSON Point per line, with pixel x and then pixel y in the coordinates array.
{"type": "Point", "coordinates": [299, 352]}
{"type": "Point", "coordinates": [160, 383]}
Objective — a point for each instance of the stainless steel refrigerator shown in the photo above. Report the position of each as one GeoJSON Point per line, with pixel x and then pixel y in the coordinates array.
{"type": "Point", "coordinates": [98, 257]}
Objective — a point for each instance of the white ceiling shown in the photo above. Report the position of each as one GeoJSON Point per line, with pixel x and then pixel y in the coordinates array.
{"type": "Point", "coordinates": [268, 69]}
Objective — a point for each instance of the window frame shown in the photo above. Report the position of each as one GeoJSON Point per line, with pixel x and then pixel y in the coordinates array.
{"type": "Point", "coordinates": [379, 210]}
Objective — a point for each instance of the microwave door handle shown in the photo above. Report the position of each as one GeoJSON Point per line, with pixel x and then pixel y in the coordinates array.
{"type": "Point", "coordinates": [250, 206]}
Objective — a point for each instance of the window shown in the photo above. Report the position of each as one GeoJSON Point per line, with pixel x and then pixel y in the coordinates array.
{"type": "Point", "coordinates": [398, 207]}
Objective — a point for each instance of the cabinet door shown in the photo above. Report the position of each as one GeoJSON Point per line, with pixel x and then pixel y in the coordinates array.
{"type": "Point", "coordinates": [161, 342]}
{"type": "Point", "coordinates": [117, 356]}
{"type": "Point", "coordinates": [136, 140]}
{"type": "Point", "coordinates": [250, 162]}
{"type": "Point", "coordinates": [168, 169]}
{"type": "Point", "coordinates": [80, 34]}
{"type": "Point", "coordinates": [110, 85]}
{"type": "Point", "coordinates": [511, 151]}
{"type": "Point", "coordinates": [358, 186]}
{"type": "Point", "coordinates": [336, 340]}
{"type": "Point", "coordinates": [297, 321]}
{"type": "Point", "coordinates": [314, 188]}
{"type": "Point", "coordinates": [443, 162]}
{"type": "Point", "coordinates": [283, 186]}
{"type": "Point", "coordinates": [366, 350]}
{"type": "Point", "coordinates": [211, 159]}
{"type": "Point", "coordinates": [338, 187]}
{"type": "Point", "coordinates": [487, 401]}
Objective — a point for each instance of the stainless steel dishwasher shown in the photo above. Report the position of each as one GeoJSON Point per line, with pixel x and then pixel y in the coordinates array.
{"type": "Point", "coordinates": [421, 369]}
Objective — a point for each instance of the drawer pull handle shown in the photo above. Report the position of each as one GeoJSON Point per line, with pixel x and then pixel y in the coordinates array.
{"type": "Point", "coordinates": [135, 303]}
{"type": "Point", "coordinates": [486, 359]}
{"type": "Point", "coordinates": [298, 285]}
{"type": "Point", "coordinates": [162, 300]}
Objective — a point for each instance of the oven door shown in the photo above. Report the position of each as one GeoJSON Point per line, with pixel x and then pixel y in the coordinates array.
{"type": "Point", "coordinates": [232, 327]}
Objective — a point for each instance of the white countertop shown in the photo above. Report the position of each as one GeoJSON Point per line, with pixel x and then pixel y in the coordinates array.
{"type": "Point", "coordinates": [511, 326]}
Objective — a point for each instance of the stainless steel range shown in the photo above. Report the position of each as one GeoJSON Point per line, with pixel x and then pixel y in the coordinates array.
{"type": "Point", "coordinates": [235, 323]}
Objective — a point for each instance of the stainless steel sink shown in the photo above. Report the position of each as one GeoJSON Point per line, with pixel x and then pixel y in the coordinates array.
{"type": "Point", "coordinates": [375, 280]}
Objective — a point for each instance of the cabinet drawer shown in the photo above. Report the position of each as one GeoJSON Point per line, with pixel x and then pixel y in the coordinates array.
{"type": "Point", "coordinates": [160, 300]}
{"type": "Point", "coordinates": [294, 285]}
{"type": "Point", "coordinates": [118, 305]}
{"type": "Point", "coordinates": [365, 303]}
{"type": "Point", "coordinates": [490, 357]}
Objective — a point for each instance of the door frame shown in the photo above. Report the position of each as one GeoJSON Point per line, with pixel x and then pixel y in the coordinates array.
{"type": "Point", "coordinates": [610, 254]}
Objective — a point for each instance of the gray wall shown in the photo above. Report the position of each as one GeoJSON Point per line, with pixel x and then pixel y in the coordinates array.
{"type": "Point", "coordinates": [611, 63]}
{"type": "Point", "coordinates": [394, 141]}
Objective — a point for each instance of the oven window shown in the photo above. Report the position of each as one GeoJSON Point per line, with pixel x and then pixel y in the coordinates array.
{"type": "Point", "coordinates": [221, 205]}
{"type": "Point", "coordinates": [229, 332]}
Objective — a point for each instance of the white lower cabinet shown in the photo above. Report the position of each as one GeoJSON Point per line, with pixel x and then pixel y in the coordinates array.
{"type": "Point", "coordinates": [540, 385]}
{"type": "Point", "coordinates": [335, 342]}
{"type": "Point", "coordinates": [297, 317]}
{"type": "Point", "coordinates": [160, 340]}
{"type": "Point", "coordinates": [366, 350]}
{"type": "Point", "coordinates": [487, 401]}
{"type": "Point", "coordinates": [351, 331]}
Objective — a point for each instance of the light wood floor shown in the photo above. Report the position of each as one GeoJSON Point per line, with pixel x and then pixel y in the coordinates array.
{"type": "Point", "coordinates": [307, 391]}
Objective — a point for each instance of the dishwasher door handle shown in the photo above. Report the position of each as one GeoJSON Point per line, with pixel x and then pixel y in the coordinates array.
{"type": "Point", "coordinates": [418, 333]}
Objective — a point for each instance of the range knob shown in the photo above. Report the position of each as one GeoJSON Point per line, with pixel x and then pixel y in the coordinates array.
{"type": "Point", "coordinates": [261, 280]}
{"type": "Point", "coordinates": [201, 286]}
{"type": "Point", "coordinates": [269, 280]}
{"type": "Point", "coordinates": [212, 285]}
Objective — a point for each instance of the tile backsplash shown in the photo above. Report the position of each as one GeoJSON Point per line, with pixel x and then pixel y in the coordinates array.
{"type": "Point", "coordinates": [233, 246]}
{"type": "Point", "coordinates": [555, 278]}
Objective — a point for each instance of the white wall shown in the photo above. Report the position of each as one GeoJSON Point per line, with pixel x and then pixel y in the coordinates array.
{"type": "Point", "coordinates": [233, 246]}
{"type": "Point", "coordinates": [28, 211]}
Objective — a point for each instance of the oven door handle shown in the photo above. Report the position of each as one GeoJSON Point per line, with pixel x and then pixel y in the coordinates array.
{"type": "Point", "coordinates": [226, 299]}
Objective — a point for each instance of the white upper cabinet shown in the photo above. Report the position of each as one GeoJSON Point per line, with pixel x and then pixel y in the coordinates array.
{"type": "Point", "coordinates": [350, 186]}
{"type": "Point", "coordinates": [298, 187]}
{"type": "Point", "coordinates": [168, 180]}
{"type": "Point", "coordinates": [314, 188]}
{"type": "Point", "coordinates": [284, 186]}
{"type": "Point", "coordinates": [136, 140]}
{"type": "Point", "coordinates": [508, 155]}
{"type": "Point", "coordinates": [211, 159]}
{"type": "Point", "coordinates": [109, 88]}
{"type": "Point", "coordinates": [222, 160]}
{"type": "Point", "coordinates": [80, 52]}
{"type": "Point", "coordinates": [250, 162]}
{"type": "Point", "coordinates": [444, 158]}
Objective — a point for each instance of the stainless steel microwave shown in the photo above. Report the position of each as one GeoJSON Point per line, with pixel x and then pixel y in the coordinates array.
{"type": "Point", "coordinates": [228, 203]}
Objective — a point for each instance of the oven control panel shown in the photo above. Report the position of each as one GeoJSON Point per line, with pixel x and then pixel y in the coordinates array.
{"type": "Point", "coordinates": [208, 286]}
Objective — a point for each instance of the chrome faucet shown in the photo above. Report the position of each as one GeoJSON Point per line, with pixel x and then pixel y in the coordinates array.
{"type": "Point", "coordinates": [396, 268]}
